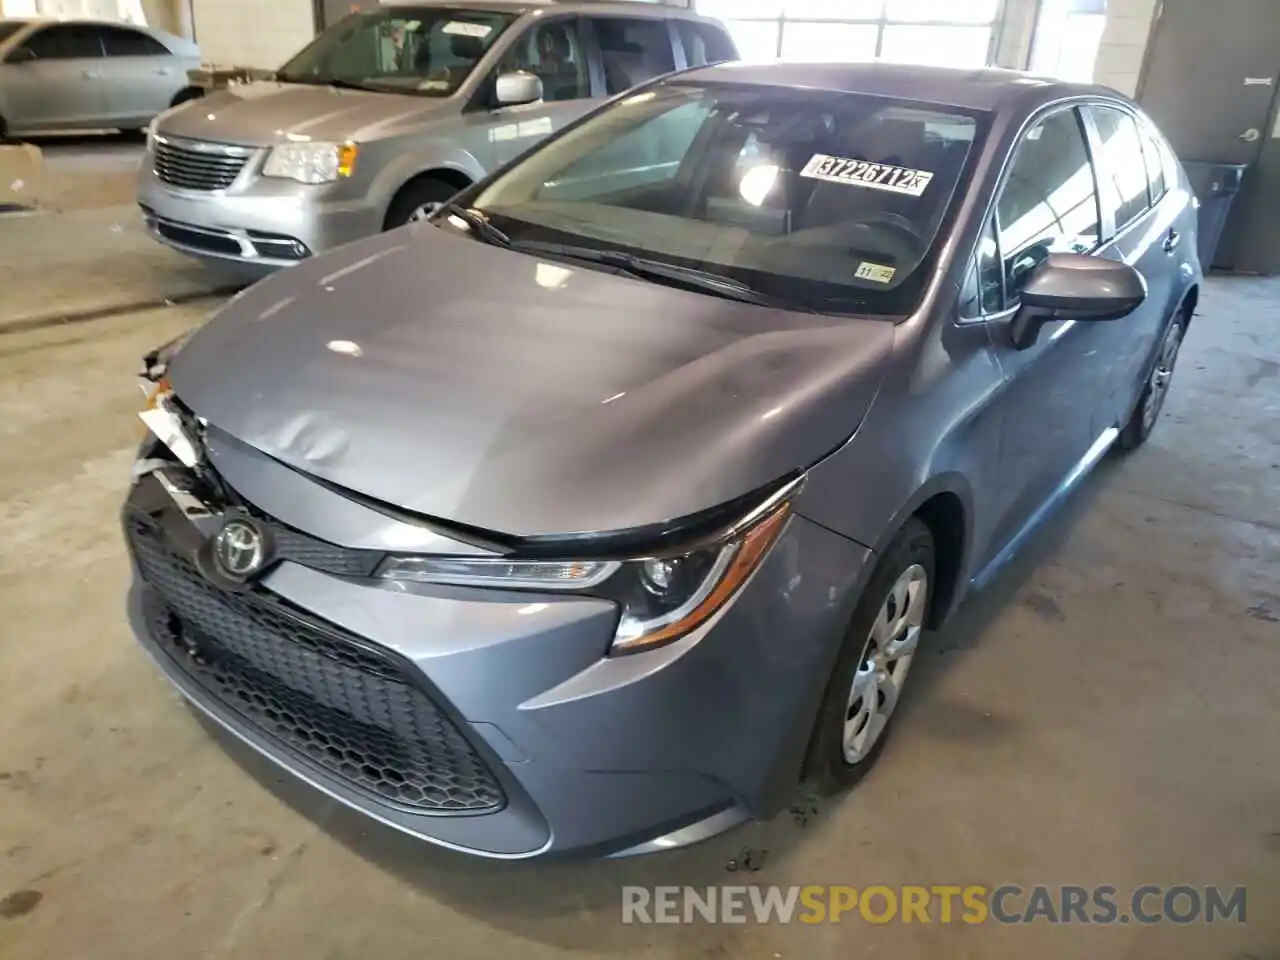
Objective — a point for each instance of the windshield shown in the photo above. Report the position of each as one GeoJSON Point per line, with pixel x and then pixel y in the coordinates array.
{"type": "Point", "coordinates": [828, 200]}
{"type": "Point", "coordinates": [423, 50]}
{"type": "Point", "coordinates": [9, 27]}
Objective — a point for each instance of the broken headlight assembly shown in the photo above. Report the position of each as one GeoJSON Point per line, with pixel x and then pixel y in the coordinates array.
{"type": "Point", "coordinates": [661, 597]}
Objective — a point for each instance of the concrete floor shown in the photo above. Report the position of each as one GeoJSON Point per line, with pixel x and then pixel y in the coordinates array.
{"type": "Point", "coordinates": [1107, 713]}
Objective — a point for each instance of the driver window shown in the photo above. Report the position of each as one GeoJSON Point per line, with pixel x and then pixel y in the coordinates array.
{"type": "Point", "coordinates": [1049, 203]}
{"type": "Point", "coordinates": [553, 52]}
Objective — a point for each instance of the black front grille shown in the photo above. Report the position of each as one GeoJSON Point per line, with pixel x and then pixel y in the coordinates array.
{"type": "Point", "coordinates": [199, 239]}
{"type": "Point", "coordinates": [313, 689]}
{"type": "Point", "coordinates": [214, 168]}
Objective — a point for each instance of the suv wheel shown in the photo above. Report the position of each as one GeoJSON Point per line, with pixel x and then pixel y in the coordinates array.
{"type": "Point", "coordinates": [866, 687]}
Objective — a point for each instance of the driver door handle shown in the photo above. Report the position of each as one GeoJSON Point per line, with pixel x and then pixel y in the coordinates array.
{"type": "Point", "coordinates": [1171, 241]}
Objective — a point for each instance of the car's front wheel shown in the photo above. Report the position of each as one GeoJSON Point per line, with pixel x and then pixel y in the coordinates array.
{"type": "Point", "coordinates": [418, 201]}
{"type": "Point", "coordinates": [1156, 388]}
{"type": "Point", "coordinates": [879, 648]}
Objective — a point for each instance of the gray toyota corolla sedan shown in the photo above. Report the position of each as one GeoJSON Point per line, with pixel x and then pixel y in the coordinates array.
{"type": "Point", "coordinates": [598, 511]}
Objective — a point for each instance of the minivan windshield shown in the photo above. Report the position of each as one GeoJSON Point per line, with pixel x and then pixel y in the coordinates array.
{"type": "Point", "coordinates": [824, 200]}
{"type": "Point", "coordinates": [427, 50]}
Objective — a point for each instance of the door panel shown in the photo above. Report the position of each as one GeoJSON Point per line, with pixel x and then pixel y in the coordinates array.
{"type": "Point", "coordinates": [1146, 238]}
{"type": "Point", "coordinates": [555, 51]}
{"type": "Point", "coordinates": [1048, 204]}
{"type": "Point", "coordinates": [1211, 76]}
{"type": "Point", "coordinates": [140, 75]}
{"type": "Point", "coordinates": [62, 87]}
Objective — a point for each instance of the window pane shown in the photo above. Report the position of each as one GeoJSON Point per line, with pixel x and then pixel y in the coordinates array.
{"type": "Point", "coordinates": [65, 43]}
{"type": "Point", "coordinates": [1125, 180]}
{"type": "Point", "coordinates": [984, 289]}
{"type": "Point", "coordinates": [936, 46]}
{"type": "Point", "coordinates": [703, 44]}
{"type": "Point", "coordinates": [756, 40]}
{"type": "Point", "coordinates": [725, 9]}
{"type": "Point", "coordinates": [129, 43]}
{"type": "Point", "coordinates": [632, 51]}
{"type": "Point", "coordinates": [1049, 203]}
{"type": "Point", "coordinates": [822, 42]}
{"type": "Point", "coordinates": [1152, 154]}
{"type": "Point", "coordinates": [835, 9]}
{"type": "Point", "coordinates": [957, 11]}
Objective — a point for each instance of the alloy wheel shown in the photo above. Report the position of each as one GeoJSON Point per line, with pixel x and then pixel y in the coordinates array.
{"type": "Point", "coordinates": [423, 211]}
{"type": "Point", "coordinates": [886, 660]}
{"type": "Point", "coordinates": [1161, 375]}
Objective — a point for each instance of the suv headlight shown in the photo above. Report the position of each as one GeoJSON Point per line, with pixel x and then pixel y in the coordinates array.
{"type": "Point", "coordinates": [312, 162]}
{"type": "Point", "coordinates": [661, 597]}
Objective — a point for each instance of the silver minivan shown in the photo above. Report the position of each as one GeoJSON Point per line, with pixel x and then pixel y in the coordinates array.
{"type": "Point", "coordinates": [389, 113]}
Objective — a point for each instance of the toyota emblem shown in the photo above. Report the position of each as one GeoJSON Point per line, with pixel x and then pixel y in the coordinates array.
{"type": "Point", "coordinates": [240, 549]}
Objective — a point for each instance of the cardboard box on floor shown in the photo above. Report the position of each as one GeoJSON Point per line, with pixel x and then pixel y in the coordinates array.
{"type": "Point", "coordinates": [21, 176]}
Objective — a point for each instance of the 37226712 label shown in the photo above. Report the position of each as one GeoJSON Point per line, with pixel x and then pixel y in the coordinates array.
{"type": "Point", "coordinates": [863, 173]}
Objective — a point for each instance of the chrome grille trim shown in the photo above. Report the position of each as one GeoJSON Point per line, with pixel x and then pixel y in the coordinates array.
{"type": "Point", "coordinates": [197, 164]}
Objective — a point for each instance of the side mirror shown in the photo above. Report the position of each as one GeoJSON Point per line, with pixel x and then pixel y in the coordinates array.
{"type": "Point", "coordinates": [21, 55]}
{"type": "Point", "coordinates": [513, 89]}
{"type": "Point", "coordinates": [1075, 286]}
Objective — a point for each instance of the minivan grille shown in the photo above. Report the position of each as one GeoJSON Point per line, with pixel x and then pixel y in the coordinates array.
{"type": "Point", "coordinates": [310, 687]}
{"type": "Point", "coordinates": [208, 167]}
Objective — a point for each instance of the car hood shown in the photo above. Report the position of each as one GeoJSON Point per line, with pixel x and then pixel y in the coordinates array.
{"type": "Point", "coordinates": [495, 389]}
{"type": "Point", "coordinates": [266, 113]}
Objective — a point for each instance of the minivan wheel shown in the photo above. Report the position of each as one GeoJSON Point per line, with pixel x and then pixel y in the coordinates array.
{"type": "Point", "coordinates": [1156, 389]}
{"type": "Point", "coordinates": [418, 201]}
{"type": "Point", "coordinates": [880, 645]}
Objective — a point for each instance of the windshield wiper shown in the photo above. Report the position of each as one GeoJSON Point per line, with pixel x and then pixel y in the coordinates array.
{"type": "Point", "coordinates": [337, 82]}
{"type": "Point", "coordinates": [480, 226]}
{"type": "Point", "coordinates": [704, 281]}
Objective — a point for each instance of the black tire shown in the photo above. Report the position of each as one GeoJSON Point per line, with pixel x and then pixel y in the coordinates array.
{"type": "Point", "coordinates": [826, 771]}
{"type": "Point", "coordinates": [415, 196]}
{"type": "Point", "coordinates": [1143, 419]}
{"type": "Point", "coordinates": [186, 96]}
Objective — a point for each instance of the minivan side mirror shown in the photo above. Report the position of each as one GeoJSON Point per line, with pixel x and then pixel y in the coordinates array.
{"type": "Point", "coordinates": [21, 55]}
{"type": "Point", "coordinates": [513, 89]}
{"type": "Point", "coordinates": [1076, 286]}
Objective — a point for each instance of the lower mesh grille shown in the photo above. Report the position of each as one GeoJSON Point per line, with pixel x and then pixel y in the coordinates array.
{"type": "Point", "coordinates": [324, 696]}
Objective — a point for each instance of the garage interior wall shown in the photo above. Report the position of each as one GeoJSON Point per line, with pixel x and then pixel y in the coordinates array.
{"type": "Point", "coordinates": [252, 33]}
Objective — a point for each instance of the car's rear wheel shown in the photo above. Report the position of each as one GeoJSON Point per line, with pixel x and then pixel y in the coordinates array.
{"type": "Point", "coordinates": [1156, 389]}
{"type": "Point", "coordinates": [879, 648]}
{"type": "Point", "coordinates": [419, 200]}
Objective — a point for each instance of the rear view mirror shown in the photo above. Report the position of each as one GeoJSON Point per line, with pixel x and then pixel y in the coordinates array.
{"type": "Point", "coordinates": [1074, 286]}
{"type": "Point", "coordinates": [21, 55]}
{"type": "Point", "coordinates": [513, 89]}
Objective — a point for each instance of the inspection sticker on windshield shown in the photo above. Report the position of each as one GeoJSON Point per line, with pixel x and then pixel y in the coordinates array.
{"type": "Point", "coordinates": [862, 173]}
{"type": "Point", "coordinates": [875, 272]}
{"type": "Point", "coordinates": [460, 28]}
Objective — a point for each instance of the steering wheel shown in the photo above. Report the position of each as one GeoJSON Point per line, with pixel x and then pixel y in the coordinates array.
{"type": "Point", "coordinates": [896, 222]}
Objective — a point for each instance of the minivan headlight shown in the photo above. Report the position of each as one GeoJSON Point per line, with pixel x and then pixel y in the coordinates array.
{"type": "Point", "coordinates": [661, 597]}
{"type": "Point", "coordinates": [312, 162]}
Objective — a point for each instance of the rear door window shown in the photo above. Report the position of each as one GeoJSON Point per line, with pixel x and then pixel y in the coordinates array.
{"type": "Point", "coordinates": [1122, 169]}
{"type": "Point", "coordinates": [633, 51]}
{"type": "Point", "coordinates": [122, 42]}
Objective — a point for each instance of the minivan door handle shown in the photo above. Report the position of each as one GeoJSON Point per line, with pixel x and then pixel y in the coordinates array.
{"type": "Point", "coordinates": [1171, 241]}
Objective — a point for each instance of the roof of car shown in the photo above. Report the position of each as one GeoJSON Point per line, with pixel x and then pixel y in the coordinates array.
{"type": "Point", "coordinates": [983, 89]}
{"type": "Point", "coordinates": [642, 7]}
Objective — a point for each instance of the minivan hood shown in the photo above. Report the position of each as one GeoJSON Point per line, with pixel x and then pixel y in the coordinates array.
{"type": "Point", "coordinates": [495, 389]}
{"type": "Point", "coordinates": [266, 113]}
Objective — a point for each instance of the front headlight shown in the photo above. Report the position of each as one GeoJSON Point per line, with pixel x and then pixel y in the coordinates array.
{"type": "Point", "coordinates": [312, 162]}
{"type": "Point", "coordinates": [661, 597]}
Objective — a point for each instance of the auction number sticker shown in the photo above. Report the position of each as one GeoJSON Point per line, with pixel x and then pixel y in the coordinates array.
{"type": "Point", "coordinates": [460, 28]}
{"type": "Point", "coordinates": [862, 173]}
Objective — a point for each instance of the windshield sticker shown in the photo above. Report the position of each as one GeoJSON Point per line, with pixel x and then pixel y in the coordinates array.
{"type": "Point", "coordinates": [460, 28]}
{"type": "Point", "coordinates": [875, 272]}
{"type": "Point", "coordinates": [862, 173]}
